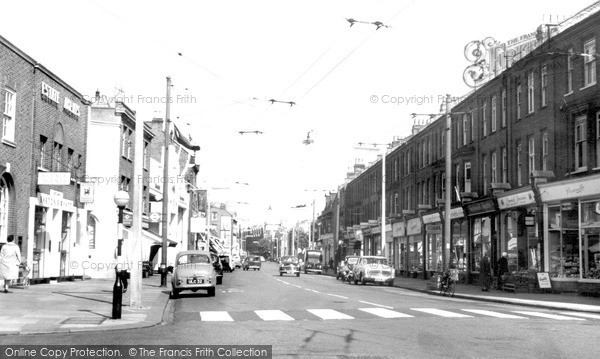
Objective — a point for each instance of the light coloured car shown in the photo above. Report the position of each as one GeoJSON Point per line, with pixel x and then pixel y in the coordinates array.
{"type": "Point", "coordinates": [289, 265]}
{"type": "Point", "coordinates": [373, 269]}
{"type": "Point", "coordinates": [252, 262]}
{"type": "Point", "coordinates": [193, 270]}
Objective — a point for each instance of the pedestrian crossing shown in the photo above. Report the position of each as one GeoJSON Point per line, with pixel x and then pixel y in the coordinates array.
{"type": "Point", "coordinates": [275, 315]}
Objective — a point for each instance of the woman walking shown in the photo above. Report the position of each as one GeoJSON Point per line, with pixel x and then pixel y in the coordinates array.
{"type": "Point", "coordinates": [10, 259]}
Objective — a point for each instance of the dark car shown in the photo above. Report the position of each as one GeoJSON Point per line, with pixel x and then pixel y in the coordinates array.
{"type": "Point", "coordinates": [289, 265]}
{"type": "Point", "coordinates": [216, 261]}
{"type": "Point", "coordinates": [227, 264]}
{"type": "Point", "coordinates": [252, 262]}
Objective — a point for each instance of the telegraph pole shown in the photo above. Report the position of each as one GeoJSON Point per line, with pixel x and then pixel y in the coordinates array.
{"type": "Point", "coordinates": [135, 296]}
{"type": "Point", "coordinates": [165, 211]}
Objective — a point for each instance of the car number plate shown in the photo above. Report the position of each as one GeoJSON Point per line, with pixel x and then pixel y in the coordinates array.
{"type": "Point", "coordinates": [195, 281]}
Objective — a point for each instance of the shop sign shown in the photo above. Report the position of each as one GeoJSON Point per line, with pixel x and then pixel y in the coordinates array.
{"type": "Point", "coordinates": [455, 213]}
{"type": "Point", "coordinates": [530, 221]}
{"type": "Point", "coordinates": [46, 200]}
{"type": "Point", "coordinates": [398, 229]}
{"type": "Point", "coordinates": [375, 230]}
{"type": "Point", "coordinates": [358, 235]}
{"type": "Point", "coordinates": [433, 229]}
{"type": "Point", "coordinates": [49, 93]}
{"type": "Point", "coordinates": [128, 219]}
{"type": "Point", "coordinates": [366, 231]}
{"type": "Point", "coordinates": [156, 216]}
{"type": "Point", "coordinates": [481, 207]}
{"type": "Point", "coordinates": [516, 200]}
{"type": "Point", "coordinates": [571, 189]}
{"type": "Point", "coordinates": [413, 226]}
{"type": "Point", "coordinates": [54, 178]}
{"type": "Point", "coordinates": [597, 207]}
{"type": "Point", "coordinates": [544, 280]}
{"type": "Point", "coordinates": [86, 192]}
{"type": "Point", "coordinates": [432, 218]}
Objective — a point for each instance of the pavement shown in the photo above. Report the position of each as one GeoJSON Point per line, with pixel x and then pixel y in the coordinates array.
{"type": "Point", "coordinates": [86, 305]}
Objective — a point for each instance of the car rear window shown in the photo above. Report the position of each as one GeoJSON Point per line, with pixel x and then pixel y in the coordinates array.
{"type": "Point", "coordinates": [352, 260]}
{"type": "Point", "coordinates": [290, 260]}
{"type": "Point", "coordinates": [193, 258]}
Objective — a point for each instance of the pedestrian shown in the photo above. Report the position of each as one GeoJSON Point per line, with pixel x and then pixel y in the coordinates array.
{"type": "Point", "coordinates": [502, 269]}
{"type": "Point", "coordinates": [10, 259]}
{"type": "Point", "coordinates": [485, 273]}
{"type": "Point", "coordinates": [122, 264]}
{"type": "Point", "coordinates": [331, 264]}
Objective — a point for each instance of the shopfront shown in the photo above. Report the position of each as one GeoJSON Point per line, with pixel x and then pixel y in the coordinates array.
{"type": "Point", "coordinates": [483, 225]}
{"type": "Point", "coordinates": [434, 242]}
{"type": "Point", "coordinates": [518, 235]}
{"type": "Point", "coordinates": [572, 233]}
{"type": "Point", "coordinates": [415, 248]}
{"type": "Point", "coordinates": [399, 246]}
{"type": "Point", "coordinates": [459, 243]}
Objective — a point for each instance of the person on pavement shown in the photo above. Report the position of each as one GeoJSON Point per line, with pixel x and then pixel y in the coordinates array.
{"type": "Point", "coordinates": [502, 269]}
{"type": "Point", "coordinates": [485, 273]}
{"type": "Point", "coordinates": [10, 259]}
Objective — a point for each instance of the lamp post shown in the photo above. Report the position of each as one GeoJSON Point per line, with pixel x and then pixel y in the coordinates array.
{"type": "Point", "coordinates": [121, 199]}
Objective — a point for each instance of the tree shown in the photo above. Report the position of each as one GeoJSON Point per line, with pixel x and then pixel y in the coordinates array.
{"type": "Point", "coordinates": [264, 247]}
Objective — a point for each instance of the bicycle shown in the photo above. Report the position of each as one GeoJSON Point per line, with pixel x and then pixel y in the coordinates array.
{"type": "Point", "coordinates": [448, 282]}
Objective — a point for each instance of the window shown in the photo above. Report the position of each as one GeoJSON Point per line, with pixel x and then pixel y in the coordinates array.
{"type": "Point", "coordinates": [42, 149]}
{"type": "Point", "coordinates": [504, 165]}
{"type": "Point", "coordinates": [530, 92]}
{"type": "Point", "coordinates": [467, 176]}
{"type": "Point", "coordinates": [57, 157]}
{"type": "Point", "coordinates": [580, 144]}
{"type": "Point", "coordinates": [443, 147]}
{"type": "Point", "coordinates": [494, 164]}
{"type": "Point", "coordinates": [472, 125]}
{"type": "Point", "coordinates": [503, 108]}
{"type": "Point", "coordinates": [146, 155]}
{"type": "Point", "coordinates": [544, 80]}
{"type": "Point", "coordinates": [4, 208]}
{"type": "Point", "coordinates": [518, 101]}
{"type": "Point", "coordinates": [396, 202]}
{"type": "Point", "coordinates": [519, 164]}
{"type": "Point", "coordinates": [570, 71]}
{"type": "Point", "coordinates": [589, 63]}
{"type": "Point", "coordinates": [465, 129]}
{"type": "Point", "coordinates": [443, 185]}
{"type": "Point", "coordinates": [70, 153]}
{"type": "Point", "coordinates": [531, 158]}
{"type": "Point", "coordinates": [485, 174]}
{"type": "Point", "coordinates": [126, 142]}
{"type": "Point", "coordinates": [483, 119]}
{"type": "Point", "coordinates": [494, 114]}
{"type": "Point", "coordinates": [545, 151]}
{"type": "Point", "coordinates": [8, 122]}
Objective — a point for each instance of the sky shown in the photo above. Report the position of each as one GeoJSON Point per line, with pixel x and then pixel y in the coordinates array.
{"type": "Point", "coordinates": [227, 59]}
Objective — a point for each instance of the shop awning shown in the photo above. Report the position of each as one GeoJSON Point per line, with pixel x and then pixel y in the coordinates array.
{"type": "Point", "coordinates": [215, 244]}
{"type": "Point", "coordinates": [156, 239]}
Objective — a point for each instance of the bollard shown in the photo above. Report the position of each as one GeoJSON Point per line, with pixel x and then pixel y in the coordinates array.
{"type": "Point", "coordinates": [117, 297]}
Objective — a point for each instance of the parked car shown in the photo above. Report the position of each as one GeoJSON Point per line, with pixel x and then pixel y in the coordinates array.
{"type": "Point", "coordinates": [374, 269]}
{"type": "Point", "coordinates": [252, 262]}
{"type": "Point", "coordinates": [193, 270]}
{"type": "Point", "coordinates": [216, 261]}
{"type": "Point", "coordinates": [289, 265]}
{"type": "Point", "coordinates": [344, 270]}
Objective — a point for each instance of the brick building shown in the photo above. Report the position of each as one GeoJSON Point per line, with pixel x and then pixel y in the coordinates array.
{"type": "Point", "coordinates": [525, 160]}
{"type": "Point", "coordinates": [43, 160]}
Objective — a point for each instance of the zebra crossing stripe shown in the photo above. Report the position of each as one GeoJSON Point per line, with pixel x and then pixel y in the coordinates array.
{"type": "Point", "coordinates": [584, 315]}
{"type": "Point", "coordinates": [442, 313]}
{"type": "Point", "coordinates": [385, 313]}
{"type": "Point", "coordinates": [329, 314]}
{"type": "Point", "coordinates": [216, 316]}
{"type": "Point", "coordinates": [493, 314]}
{"type": "Point", "coordinates": [272, 315]}
{"type": "Point", "coordinates": [547, 315]}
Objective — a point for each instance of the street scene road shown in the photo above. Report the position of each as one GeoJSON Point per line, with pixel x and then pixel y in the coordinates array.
{"type": "Point", "coordinates": [315, 316]}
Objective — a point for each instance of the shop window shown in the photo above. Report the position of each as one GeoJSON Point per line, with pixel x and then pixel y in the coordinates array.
{"type": "Point", "coordinates": [481, 240]}
{"type": "Point", "coordinates": [590, 240]}
{"type": "Point", "coordinates": [434, 250]}
{"type": "Point", "coordinates": [563, 243]}
{"type": "Point", "coordinates": [459, 247]}
{"type": "Point", "coordinates": [415, 254]}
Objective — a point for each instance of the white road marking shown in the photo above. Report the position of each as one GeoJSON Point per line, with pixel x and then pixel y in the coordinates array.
{"type": "Point", "coordinates": [272, 315]}
{"type": "Point", "coordinates": [284, 282]}
{"type": "Point", "coordinates": [339, 296]}
{"type": "Point", "coordinates": [316, 291]}
{"type": "Point", "coordinates": [329, 314]}
{"type": "Point", "coordinates": [584, 315]}
{"type": "Point", "coordinates": [216, 316]}
{"type": "Point", "coordinates": [547, 315]}
{"type": "Point", "coordinates": [385, 313]}
{"type": "Point", "coordinates": [379, 305]}
{"type": "Point", "coordinates": [493, 314]}
{"type": "Point", "coordinates": [442, 313]}
{"type": "Point", "coordinates": [297, 286]}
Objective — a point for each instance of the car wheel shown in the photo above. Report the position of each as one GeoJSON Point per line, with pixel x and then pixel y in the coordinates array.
{"type": "Point", "coordinates": [219, 280]}
{"type": "Point", "coordinates": [280, 274]}
{"type": "Point", "coordinates": [175, 293]}
{"type": "Point", "coordinates": [391, 283]}
{"type": "Point", "coordinates": [362, 280]}
{"type": "Point", "coordinates": [211, 292]}
{"type": "Point", "coordinates": [298, 274]}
